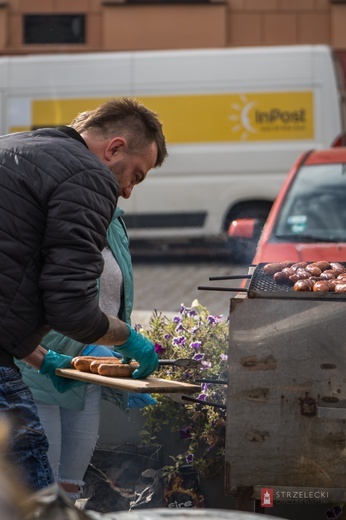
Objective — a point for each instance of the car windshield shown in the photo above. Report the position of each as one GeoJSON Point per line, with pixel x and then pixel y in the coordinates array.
{"type": "Point", "coordinates": [315, 207]}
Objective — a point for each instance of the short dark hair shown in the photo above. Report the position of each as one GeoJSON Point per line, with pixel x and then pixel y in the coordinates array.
{"type": "Point", "coordinates": [128, 117]}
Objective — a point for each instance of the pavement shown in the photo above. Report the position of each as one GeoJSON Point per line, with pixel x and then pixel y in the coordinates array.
{"type": "Point", "coordinates": [165, 286]}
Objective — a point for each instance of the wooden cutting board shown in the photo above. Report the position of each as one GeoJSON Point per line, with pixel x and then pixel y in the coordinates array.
{"type": "Point", "coordinates": [150, 385]}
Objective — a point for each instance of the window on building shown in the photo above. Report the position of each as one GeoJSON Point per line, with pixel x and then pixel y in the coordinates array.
{"type": "Point", "coordinates": [54, 28]}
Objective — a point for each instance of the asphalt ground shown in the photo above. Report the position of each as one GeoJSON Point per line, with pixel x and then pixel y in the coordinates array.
{"type": "Point", "coordinates": [163, 280]}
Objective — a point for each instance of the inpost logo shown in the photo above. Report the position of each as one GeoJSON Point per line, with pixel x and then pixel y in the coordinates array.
{"type": "Point", "coordinates": [278, 115]}
{"type": "Point", "coordinates": [241, 117]}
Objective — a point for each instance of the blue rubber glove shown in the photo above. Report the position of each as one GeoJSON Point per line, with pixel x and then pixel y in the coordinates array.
{"type": "Point", "coordinates": [137, 400]}
{"type": "Point", "coordinates": [53, 360]}
{"type": "Point", "coordinates": [141, 349]}
{"type": "Point", "coordinates": [99, 350]}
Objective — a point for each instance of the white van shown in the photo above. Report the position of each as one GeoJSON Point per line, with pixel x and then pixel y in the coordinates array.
{"type": "Point", "coordinates": [235, 120]}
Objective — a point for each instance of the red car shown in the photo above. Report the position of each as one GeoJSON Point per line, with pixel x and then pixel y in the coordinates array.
{"type": "Point", "coordinates": [307, 221]}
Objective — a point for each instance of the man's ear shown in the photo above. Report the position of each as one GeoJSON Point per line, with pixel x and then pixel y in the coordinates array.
{"type": "Point", "coordinates": [114, 146]}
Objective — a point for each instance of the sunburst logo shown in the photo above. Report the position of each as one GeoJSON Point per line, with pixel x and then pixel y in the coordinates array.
{"type": "Point", "coordinates": [241, 118]}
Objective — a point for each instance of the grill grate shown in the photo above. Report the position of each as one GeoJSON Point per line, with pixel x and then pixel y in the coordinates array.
{"type": "Point", "coordinates": [263, 282]}
{"type": "Point", "coordinates": [264, 286]}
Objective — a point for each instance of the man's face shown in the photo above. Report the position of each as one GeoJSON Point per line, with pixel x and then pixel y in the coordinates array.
{"type": "Point", "coordinates": [130, 170]}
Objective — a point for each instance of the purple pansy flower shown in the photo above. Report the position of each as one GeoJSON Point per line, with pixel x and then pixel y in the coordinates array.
{"type": "Point", "coordinates": [198, 357]}
{"type": "Point", "coordinates": [179, 340]}
{"type": "Point", "coordinates": [185, 433]}
{"type": "Point", "coordinates": [202, 397]}
{"type": "Point", "coordinates": [176, 319]}
{"type": "Point", "coordinates": [196, 345]}
{"type": "Point", "coordinates": [179, 327]}
{"type": "Point", "coordinates": [215, 319]}
{"type": "Point", "coordinates": [189, 458]}
{"type": "Point", "coordinates": [159, 349]}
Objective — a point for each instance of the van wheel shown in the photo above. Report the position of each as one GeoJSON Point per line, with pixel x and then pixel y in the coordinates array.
{"type": "Point", "coordinates": [242, 251]}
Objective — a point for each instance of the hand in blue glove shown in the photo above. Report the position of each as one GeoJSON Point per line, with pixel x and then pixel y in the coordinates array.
{"type": "Point", "coordinates": [141, 349]}
{"type": "Point", "coordinates": [137, 400]}
{"type": "Point", "coordinates": [53, 360]}
{"type": "Point", "coordinates": [99, 351]}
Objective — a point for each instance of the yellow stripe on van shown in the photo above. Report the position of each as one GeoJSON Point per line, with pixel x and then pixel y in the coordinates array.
{"type": "Point", "coordinates": [19, 128]}
{"type": "Point", "coordinates": [207, 117]}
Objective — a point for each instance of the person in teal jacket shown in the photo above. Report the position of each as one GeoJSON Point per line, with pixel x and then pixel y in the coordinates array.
{"type": "Point", "coordinates": [71, 419]}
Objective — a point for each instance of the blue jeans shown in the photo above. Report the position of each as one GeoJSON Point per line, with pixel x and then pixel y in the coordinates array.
{"type": "Point", "coordinates": [28, 445]}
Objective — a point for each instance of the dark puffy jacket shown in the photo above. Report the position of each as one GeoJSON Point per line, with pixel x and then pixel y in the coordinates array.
{"type": "Point", "coordinates": [56, 202]}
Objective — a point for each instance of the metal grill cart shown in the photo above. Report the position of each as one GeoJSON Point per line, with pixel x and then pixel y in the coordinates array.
{"type": "Point", "coordinates": [286, 401]}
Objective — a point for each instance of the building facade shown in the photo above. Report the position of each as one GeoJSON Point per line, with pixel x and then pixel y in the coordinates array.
{"type": "Point", "coordinates": [50, 26]}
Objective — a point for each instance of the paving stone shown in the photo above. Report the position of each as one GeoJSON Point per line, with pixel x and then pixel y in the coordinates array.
{"type": "Point", "coordinates": [165, 286]}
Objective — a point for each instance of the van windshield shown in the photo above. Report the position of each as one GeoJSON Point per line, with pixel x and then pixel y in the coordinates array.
{"type": "Point", "coordinates": [315, 207]}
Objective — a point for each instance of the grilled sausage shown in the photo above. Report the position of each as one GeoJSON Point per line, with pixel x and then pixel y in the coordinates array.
{"type": "Point", "coordinates": [334, 272]}
{"type": "Point", "coordinates": [272, 268]}
{"type": "Point", "coordinates": [94, 358]}
{"type": "Point", "coordinates": [117, 369]}
{"type": "Point", "coordinates": [94, 365]}
{"type": "Point", "coordinates": [83, 363]}
{"type": "Point", "coordinates": [328, 275]}
{"type": "Point", "coordinates": [321, 286]}
{"type": "Point", "coordinates": [281, 277]}
{"type": "Point", "coordinates": [293, 278]}
{"type": "Point", "coordinates": [299, 265]}
{"type": "Point", "coordinates": [303, 285]}
{"type": "Point", "coordinates": [314, 270]}
{"type": "Point", "coordinates": [288, 271]}
{"type": "Point", "coordinates": [322, 264]}
{"type": "Point", "coordinates": [332, 284]}
{"type": "Point", "coordinates": [303, 274]}
{"type": "Point", "coordinates": [340, 287]}
{"type": "Point", "coordinates": [336, 266]}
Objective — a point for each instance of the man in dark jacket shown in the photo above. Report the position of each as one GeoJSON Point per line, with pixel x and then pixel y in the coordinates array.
{"type": "Point", "coordinates": [58, 193]}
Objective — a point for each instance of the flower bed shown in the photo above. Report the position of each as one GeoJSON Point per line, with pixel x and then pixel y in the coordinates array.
{"type": "Point", "coordinates": [195, 334]}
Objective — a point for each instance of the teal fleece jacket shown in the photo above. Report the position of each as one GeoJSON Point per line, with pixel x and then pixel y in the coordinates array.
{"type": "Point", "coordinates": [41, 387]}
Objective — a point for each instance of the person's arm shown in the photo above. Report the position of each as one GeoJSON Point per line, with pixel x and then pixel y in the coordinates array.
{"type": "Point", "coordinates": [46, 362]}
{"type": "Point", "coordinates": [35, 359]}
{"type": "Point", "coordinates": [117, 334]}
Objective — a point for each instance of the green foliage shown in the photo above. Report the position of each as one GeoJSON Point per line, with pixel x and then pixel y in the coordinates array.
{"type": "Point", "coordinates": [196, 335]}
